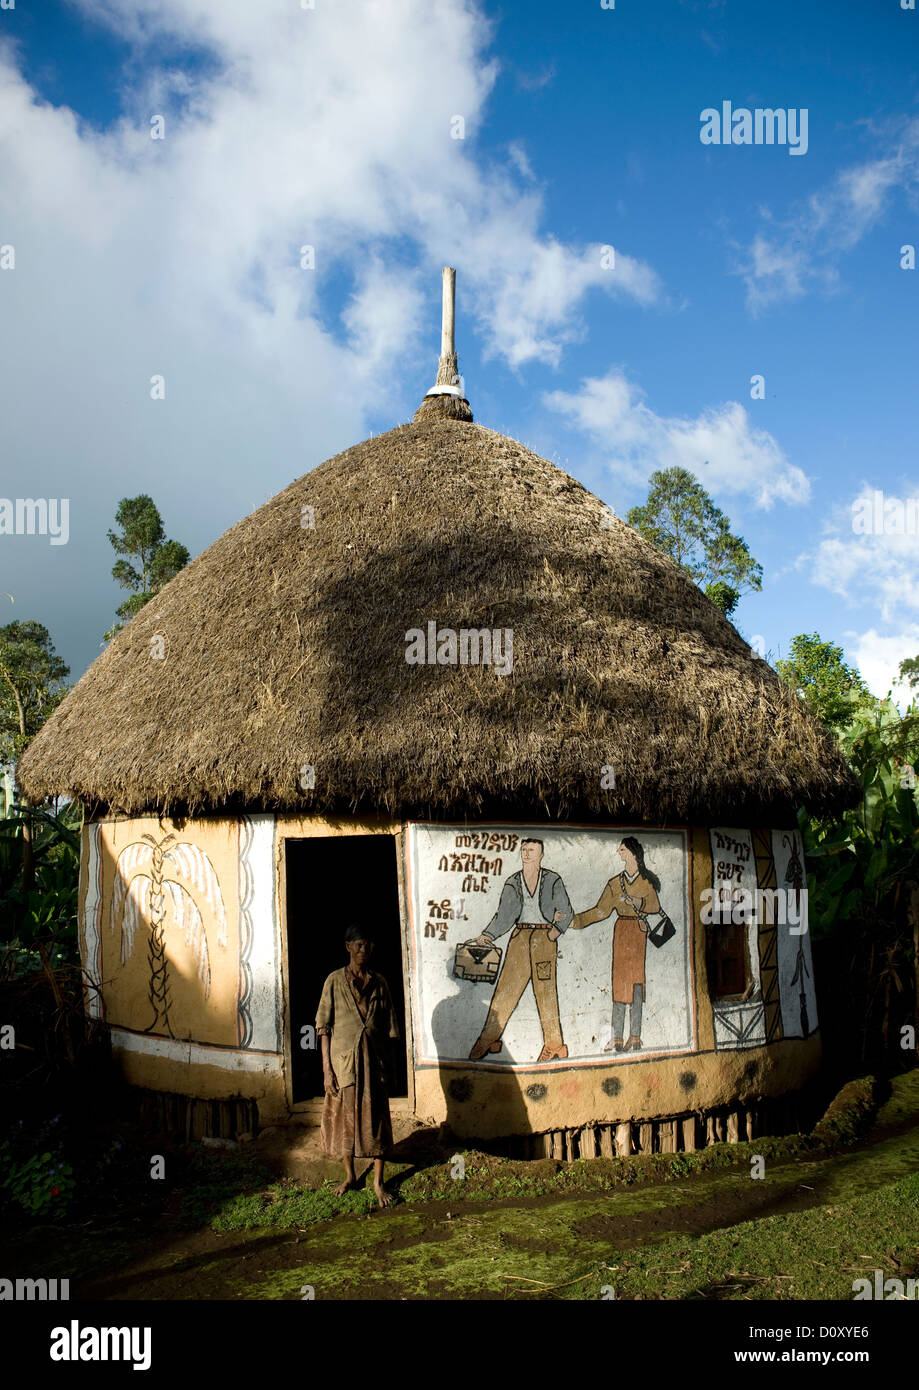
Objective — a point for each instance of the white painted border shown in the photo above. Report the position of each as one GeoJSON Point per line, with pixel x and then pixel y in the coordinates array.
{"type": "Point", "coordinates": [196, 1054]}
{"type": "Point", "coordinates": [263, 953]}
{"type": "Point", "coordinates": [446, 391]}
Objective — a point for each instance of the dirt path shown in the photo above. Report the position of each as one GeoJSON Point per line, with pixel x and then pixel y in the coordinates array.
{"type": "Point", "coordinates": [521, 1246]}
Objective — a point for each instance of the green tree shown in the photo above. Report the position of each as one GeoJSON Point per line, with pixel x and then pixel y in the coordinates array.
{"type": "Point", "coordinates": [909, 671]}
{"type": "Point", "coordinates": [863, 873]}
{"type": "Point", "coordinates": [681, 519]}
{"type": "Point", "coordinates": [31, 687]}
{"type": "Point", "coordinates": [832, 690]}
{"type": "Point", "coordinates": [150, 559]}
{"type": "Point", "coordinates": [31, 684]}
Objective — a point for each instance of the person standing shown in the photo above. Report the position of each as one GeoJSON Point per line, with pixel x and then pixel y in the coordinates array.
{"type": "Point", "coordinates": [534, 903]}
{"type": "Point", "coordinates": [632, 895]}
{"type": "Point", "coordinates": [357, 1024]}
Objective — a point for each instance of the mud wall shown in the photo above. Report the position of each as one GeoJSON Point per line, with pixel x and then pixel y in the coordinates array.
{"type": "Point", "coordinates": [524, 1034]}
{"type": "Point", "coordinates": [183, 935]}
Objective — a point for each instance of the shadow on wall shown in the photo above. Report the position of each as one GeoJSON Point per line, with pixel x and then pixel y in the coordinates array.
{"type": "Point", "coordinates": [468, 1092]}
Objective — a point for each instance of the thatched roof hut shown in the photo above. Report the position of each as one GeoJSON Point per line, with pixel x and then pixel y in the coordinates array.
{"type": "Point", "coordinates": [271, 685]}
{"type": "Point", "coordinates": [286, 645]}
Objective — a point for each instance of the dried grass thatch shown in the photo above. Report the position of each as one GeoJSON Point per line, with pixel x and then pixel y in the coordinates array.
{"type": "Point", "coordinates": [285, 647]}
{"type": "Point", "coordinates": [444, 408]}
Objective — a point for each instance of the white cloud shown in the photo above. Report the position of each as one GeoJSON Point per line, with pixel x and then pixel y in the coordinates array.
{"type": "Point", "coordinates": [520, 159]}
{"type": "Point", "coordinates": [802, 253]}
{"type": "Point", "coordinates": [284, 127]}
{"type": "Point", "coordinates": [721, 446]}
{"type": "Point", "coordinates": [878, 656]}
{"type": "Point", "coordinates": [878, 569]}
{"type": "Point", "coordinates": [330, 125]}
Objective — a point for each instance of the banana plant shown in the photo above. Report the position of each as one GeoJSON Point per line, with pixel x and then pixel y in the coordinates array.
{"type": "Point", "coordinates": [38, 910]}
{"type": "Point", "coordinates": [863, 867]}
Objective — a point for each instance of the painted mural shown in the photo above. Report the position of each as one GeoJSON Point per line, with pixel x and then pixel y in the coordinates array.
{"type": "Point", "coordinates": [164, 883]}
{"type": "Point", "coordinates": [178, 934]}
{"type": "Point", "coordinates": [534, 945]}
{"type": "Point", "coordinates": [795, 970]}
{"type": "Point", "coordinates": [739, 1016]}
{"type": "Point", "coordinates": [773, 994]}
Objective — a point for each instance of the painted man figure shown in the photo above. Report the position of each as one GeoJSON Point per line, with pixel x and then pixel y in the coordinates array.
{"type": "Point", "coordinates": [533, 902]}
{"type": "Point", "coordinates": [356, 1023]}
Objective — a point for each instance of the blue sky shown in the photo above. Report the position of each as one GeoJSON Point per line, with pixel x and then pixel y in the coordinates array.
{"type": "Point", "coordinates": [332, 127]}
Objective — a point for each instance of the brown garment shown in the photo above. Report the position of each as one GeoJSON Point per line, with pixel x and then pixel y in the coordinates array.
{"type": "Point", "coordinates": [531, 959]}
{"type": "Point", "coordinates": [629, 936]}
{"type": "Point", "coordinates": [339, 1016]}
{"type": "Point", "coordinates": [357, 1122]}
{"type": "Point", "coordinates": [628, 959]}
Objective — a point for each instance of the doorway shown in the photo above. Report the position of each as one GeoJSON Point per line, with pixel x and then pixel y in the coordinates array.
{"type": "Point", "coordinates": [329, 881]}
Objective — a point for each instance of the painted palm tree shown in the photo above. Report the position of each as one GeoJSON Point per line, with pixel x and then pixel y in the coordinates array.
{"type": "Point", "coordinates": [156, 878]}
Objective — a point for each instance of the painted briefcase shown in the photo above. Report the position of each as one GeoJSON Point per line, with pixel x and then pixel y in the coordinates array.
{"type": "Point", "coordinates": [476, 962]}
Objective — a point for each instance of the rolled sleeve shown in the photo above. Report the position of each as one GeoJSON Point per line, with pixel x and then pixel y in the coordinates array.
{"type": "Point", "coordinates": [325, 1014]}
{"type": "Point", "coordinates": [392, 1022]}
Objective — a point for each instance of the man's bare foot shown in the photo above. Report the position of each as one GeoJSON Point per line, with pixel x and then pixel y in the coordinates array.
{"type": "Point", "coordinates": [345, 1186]}
{"type": "Point", "coordinates": [384, 1198]}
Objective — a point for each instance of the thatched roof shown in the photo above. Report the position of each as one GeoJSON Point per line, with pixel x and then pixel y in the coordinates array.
{"type": "Point", "coordinates": [285, 647]}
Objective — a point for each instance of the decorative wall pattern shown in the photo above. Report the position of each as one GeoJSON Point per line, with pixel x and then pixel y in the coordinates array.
{"type": "Point", "coordinates": [92, 921]}
{"type": "Point", "coordinates": [738, 1022]}
{"type": "Point", "coordinates": [796, 973]}
{"type": "Point", "coordinates": [780, 1000]}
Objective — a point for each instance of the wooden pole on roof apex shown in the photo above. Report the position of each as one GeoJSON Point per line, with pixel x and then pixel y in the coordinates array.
{"type": "Point", "coordinates": [445, 400]}
{"type": "Point", "coordinates": [447, 369]}
{"type": "Point", "coordinates": [448, 318]}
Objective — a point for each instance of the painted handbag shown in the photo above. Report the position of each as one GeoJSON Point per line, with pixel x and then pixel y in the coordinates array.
{"type": "Point", "coordinates": [476, 962]}
{"type": "Point", "coordinates": [661, 934]}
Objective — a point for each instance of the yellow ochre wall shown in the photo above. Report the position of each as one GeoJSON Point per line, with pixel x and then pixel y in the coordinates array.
{"type": "Point", "coordinates": [496, 1105]}
{"type": "Point", "coordinates": [232, 1038]}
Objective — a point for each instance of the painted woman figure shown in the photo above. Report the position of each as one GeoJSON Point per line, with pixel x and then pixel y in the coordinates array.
{"type": "Point", "coordinates": [632, 895]}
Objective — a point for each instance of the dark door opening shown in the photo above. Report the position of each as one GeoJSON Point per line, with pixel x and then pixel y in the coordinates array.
{"type": "Point", "coordinates": [333, 880]}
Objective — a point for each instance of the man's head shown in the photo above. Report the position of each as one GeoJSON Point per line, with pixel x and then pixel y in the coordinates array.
{"type": "Point", "coordinates": [531, 852]}
{"type": "Point", "coordinates": [359, 944]}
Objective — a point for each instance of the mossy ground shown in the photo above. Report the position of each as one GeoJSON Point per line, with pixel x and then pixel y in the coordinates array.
{"type": "Point", "coordinates": [679, 1226]}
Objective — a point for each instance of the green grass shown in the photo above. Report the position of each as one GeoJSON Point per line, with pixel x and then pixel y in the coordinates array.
{"type": "Point", "coordinates": [573, 1247]}
{"type": "Point", "coordinates": [659, 1226]}
{"type": "Point", "coordinates": [283, 1207]}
